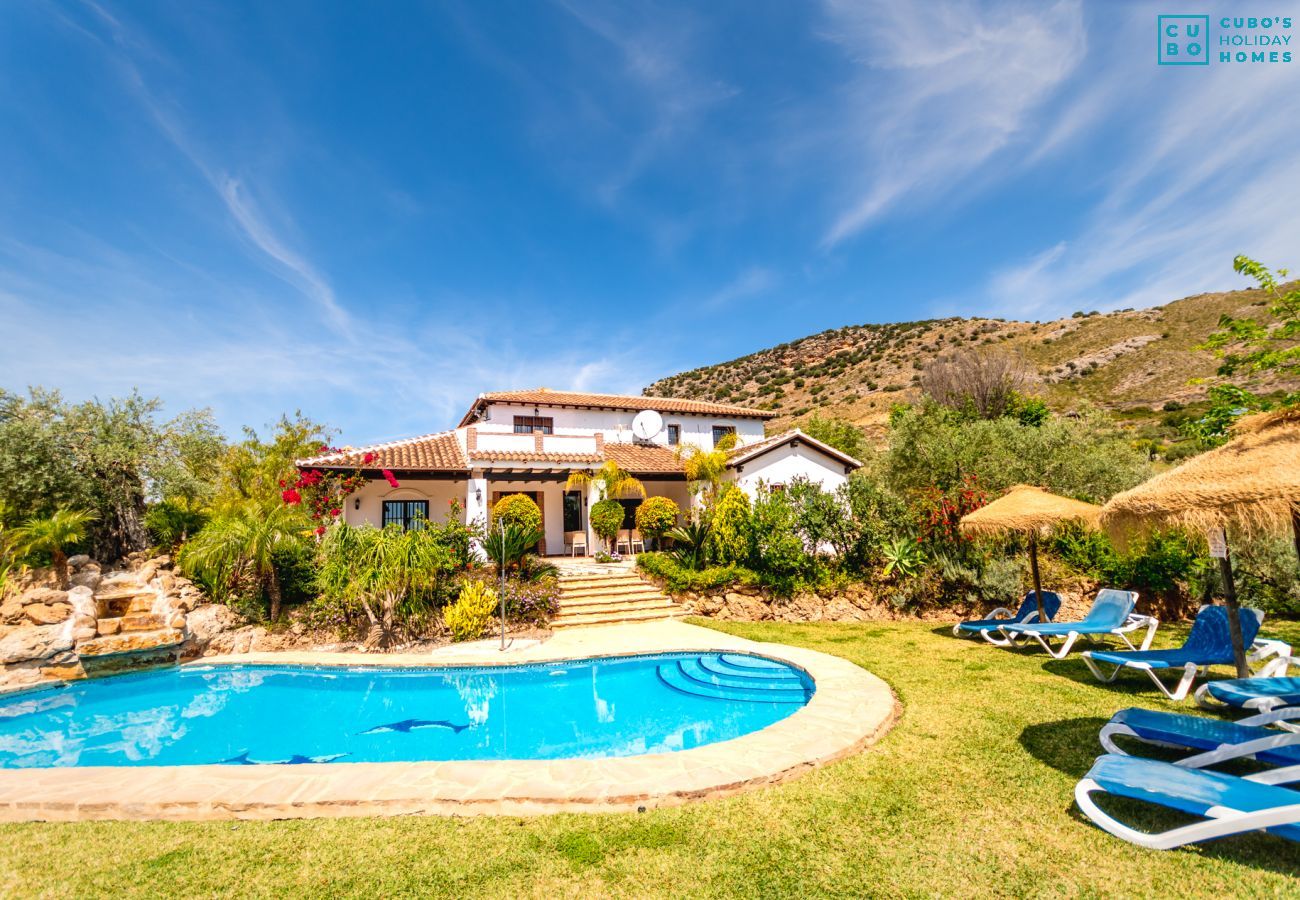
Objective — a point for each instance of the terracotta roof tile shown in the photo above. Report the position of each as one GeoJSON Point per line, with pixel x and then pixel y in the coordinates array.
{"type": "Point", "coordinates": [548, 397]}
{"type": "Point", "coordinates": [642, 459]}
{"type": "Point", "coordinates": [439, 452]}
{"type": "Point", "coordinates": [535, 456]}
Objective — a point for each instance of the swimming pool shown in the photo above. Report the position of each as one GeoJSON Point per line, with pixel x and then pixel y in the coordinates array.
{"type": "Point", "coordinates": [290, 714]}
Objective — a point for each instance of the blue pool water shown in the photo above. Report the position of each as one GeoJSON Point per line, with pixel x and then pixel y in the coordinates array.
{"type": "Point", "coordinates": [252, 715]}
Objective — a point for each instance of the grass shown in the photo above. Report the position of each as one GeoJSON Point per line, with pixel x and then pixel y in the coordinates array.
{"type": "Point", "coordinates": [970, 794]}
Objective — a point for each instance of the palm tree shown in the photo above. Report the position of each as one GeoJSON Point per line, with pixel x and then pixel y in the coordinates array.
{"type": "Point", "coordinates": [390, 565]}
{"type": "Point", "coordinates": [246, 539]}
{"type": "Point", "coordinates": [610, 479]}
{"type": "Point", "coordinates": [54, 534]}
{"type": "Point", "coordinates": [706, 466]}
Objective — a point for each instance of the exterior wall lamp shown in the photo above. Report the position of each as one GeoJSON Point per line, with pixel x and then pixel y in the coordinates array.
{"type": "Point", "coordinates": [478, 495]}
{"type": "Point", "coordinates": [356, 503]}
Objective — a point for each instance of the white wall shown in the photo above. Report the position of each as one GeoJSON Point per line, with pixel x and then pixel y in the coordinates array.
{"type": "Point", "coordinates": [785, 463]}
{"type": "Point", "coordinates": [616, 425]}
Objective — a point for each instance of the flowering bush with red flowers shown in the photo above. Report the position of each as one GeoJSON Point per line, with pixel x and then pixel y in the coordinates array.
{"type": "Point", "coordinates": [939, 512]}
{"type": "Point", "coordinates": [323, 492]}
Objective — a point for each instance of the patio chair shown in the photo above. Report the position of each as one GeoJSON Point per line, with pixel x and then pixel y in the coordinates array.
{"type": "Point", "coordinates": [1208, 644]}
{"type": "Point", "coordinates": [1227, 804]}
{"type": "Point", "coordinates": [988, 628]}
{"type": "Point", "coordinates": [1216, 740]}
{"type": "Point", "coordinates": [573, 540]}
{"type": "Point", "coordinates": [637, 541]}
{"type": "Point", "coordinates": [1271, 689]}
{"type": "Point", "coordinates": [1111, 614]}
{"type": "Point", "coordinates": [623, 544]}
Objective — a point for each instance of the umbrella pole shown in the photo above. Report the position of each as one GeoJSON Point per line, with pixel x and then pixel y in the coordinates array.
{"type": "Point", "coordinates": [1234, 617]}
{"type": "Point", "coordinates": [1295, 530]}
{"type": "Point", "coordinates": [1038, 582]}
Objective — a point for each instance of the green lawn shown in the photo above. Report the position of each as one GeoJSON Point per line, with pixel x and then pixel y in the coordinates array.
{"type": "Point", "coordinates": [970, 794]}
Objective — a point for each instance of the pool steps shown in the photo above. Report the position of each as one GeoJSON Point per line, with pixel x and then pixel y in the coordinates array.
{"type": "Point", "coordinates": [724, 677]}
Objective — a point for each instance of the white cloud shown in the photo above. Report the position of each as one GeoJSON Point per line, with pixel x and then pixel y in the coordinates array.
{"type": "Point", "coordinates": [749, 282]}
{"type": "Point", "coordinates": [939, 92]}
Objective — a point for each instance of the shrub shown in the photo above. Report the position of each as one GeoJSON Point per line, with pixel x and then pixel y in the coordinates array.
{"type": "Point", "coordinates": [607, 519]}
{"type": "Point", "coordinates": [656, 517]}
{"type": "Point", "coordinates": [518, 509]}
{"type": "Point", "coordinates": [508, 546]}
{"type": "Point", "coordinates": [730, 526]}
{"type": "Point", "coordinates": [678, 578]}
{"type": "Point", "coordinates": [469, 615]}
{"type": "Point", "coordinates": [778, 554]}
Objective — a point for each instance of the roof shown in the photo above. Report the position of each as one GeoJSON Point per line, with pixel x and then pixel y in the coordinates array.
{"type": "Point", "coordinates": [548, 397]}
{"type": "Point", "coordinates": [1027, 508]}
{"type": "Point", "coordinates": [743, 454]}
{"type": "Point", "coordinates": [439, 452]}
{"type": "Point", "coordinates": [1251, 483]}
{"type": "Point", "coordinates": [537, 456]}
{"type": "Point", "coordinates": [644, 459]}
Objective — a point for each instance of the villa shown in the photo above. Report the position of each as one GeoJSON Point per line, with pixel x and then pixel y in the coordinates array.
{"type": "Point", "coordinates": [531, 441]}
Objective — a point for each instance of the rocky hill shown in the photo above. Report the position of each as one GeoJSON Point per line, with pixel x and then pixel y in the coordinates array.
{"type": "Point", "coordinates": [1135, 362]}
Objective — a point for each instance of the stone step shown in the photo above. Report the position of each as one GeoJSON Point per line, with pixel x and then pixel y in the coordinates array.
{"type": "Point", "coordinates": [567, 603]}
{"type": "Point", "coordinates": [122, 592]}
{"type": "Point", "coordinates": [131, 642]}
{"type": "Point", "coordinates": [143, 622]}
{"type": "Point", "coordinates": [578, 609]}
{"type": "Point", "coordinates": [614, 618]}
{"type": "Point", "coordinates": [608, 590]}
{"type": "Point", "coordinates": [578, 584]}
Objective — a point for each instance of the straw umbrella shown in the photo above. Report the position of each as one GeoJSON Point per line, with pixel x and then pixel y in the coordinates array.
{"type": "Point", "coordinates": [1251, 484]}
{"type": "Point", "coordinates": [1030, 511]}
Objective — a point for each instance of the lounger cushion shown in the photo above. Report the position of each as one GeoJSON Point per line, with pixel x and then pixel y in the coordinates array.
{"type": "Point", "coordinates": [1109, 611]}
{"type": "Point", "coordinates": [1051, 605]}
{"type": "Point", "coordinates": [1202, 733]}
{"type": "Point", "coordinates": [1194, 791]}
{"type": "Point", "coordinates": [1159, 659]}
{"type": "Point", "coordinates": [1237, 691]}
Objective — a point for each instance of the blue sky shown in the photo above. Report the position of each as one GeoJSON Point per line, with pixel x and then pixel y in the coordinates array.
{"type": "Point", "coordinates": [371, 212]}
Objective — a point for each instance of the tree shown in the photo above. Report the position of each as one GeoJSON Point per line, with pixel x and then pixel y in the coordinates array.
{"type": "Point", "coordinates": [656, 517]}
{"type": "Point", "coordinates": [841, 434]}
{"type": "Point", "coordinates": [395, 566]}
{"type": "Point", "coordinates": [982, 383]}
{"type": "Point", "coordinates": [55, 534]}
{"type": "Point", "coordinates": [706, 467]}
{"type": "Point", "coordinates": [258, 469]}
{"type": "Point", "coordinates": [606, 519]}
{"type": "Point", "coordinates": [612, 482]}
{"type": "Point", "coordinates": [246, 539]}
{"type": "Point", "coordinates": [518, 509]}
{"type": "Point", "coordinates": [730, 521]}
{"type": "Point", "coordinates": [185, 471]}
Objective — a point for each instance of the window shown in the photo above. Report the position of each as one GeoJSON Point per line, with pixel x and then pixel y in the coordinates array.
{"type": "Point", "coordinates": [572, 511]}
{"type": "Point", "coordinates": [721, 431]}
{"type": "Point", "coordinates": [629, 513]}
{"type": "Point", "coordinates": [674, 435]}
{"type": "Point", "coordinates": [407, 513]}
{"type": "Point", "coordinates": [534, 425]}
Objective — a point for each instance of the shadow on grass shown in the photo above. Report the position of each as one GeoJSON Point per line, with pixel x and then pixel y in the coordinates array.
{"type": "Point", "coordinates": [1067, 745]}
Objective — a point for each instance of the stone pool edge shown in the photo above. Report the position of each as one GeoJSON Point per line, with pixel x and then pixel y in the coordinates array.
{"type": "Point", "coordinates": [850, 710]}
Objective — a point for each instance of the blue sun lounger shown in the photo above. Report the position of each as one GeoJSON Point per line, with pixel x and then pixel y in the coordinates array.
{"type": "Point", "coordinates": [1208, 644]}
{"type": "Point", "coordinates": [989, 628]}
{"type": "Point", "coordinates": [1216, 740]}
{"type": "Point", "coordinates": [1111, 614]}
{"type": "Point", "coordinates": [1227, 804]}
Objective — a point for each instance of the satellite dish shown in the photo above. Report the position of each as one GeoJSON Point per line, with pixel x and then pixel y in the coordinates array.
{"type": "Point", "coordinates": [647, 424]}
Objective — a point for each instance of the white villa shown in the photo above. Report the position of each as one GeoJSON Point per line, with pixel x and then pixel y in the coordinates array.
{"type": "Point", "coordinates": [529, 442]}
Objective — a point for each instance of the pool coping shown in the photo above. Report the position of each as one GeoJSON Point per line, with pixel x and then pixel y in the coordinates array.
{"type": "Point", "coordinates": [850, 710]}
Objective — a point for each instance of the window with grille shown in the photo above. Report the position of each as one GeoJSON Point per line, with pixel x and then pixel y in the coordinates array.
{"type": "Point", "coordinates": [721, 431]}
{"type": "Point", "coordinates": [534, 425]}
{"type": "Point", "coordinates": [407, 513]}
{"type": "Point", "coordinates": [674, 435]}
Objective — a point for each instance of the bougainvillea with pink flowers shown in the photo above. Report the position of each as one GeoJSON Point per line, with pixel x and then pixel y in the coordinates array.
{"type": "Point", "coordinates": [940, 512]}
{"type": "Point", "coordinates": [323, 492]}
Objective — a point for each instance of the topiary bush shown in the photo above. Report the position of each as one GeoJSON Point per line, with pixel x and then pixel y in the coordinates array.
{"type": "Point", "coordinates": [731, 536]}
{"type": "Point", "coordinates": [606, 520]}
{"type": "Point", "coordinates": [656, 517]}
{"type": "Point", "coordinates": [469, 615]}
{"type": "Point", "coordinates": [518, 509]}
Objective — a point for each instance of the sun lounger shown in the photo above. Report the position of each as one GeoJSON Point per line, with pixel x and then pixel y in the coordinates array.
{"type": "Point", "coordinates": [1227, 804]}
{"type": "Point", "coordinates": [1217, 740]}
{"type": "Point", "coordinates": [1111, 614]}
{"type": "Point", "coordinates": [1271, 689]}
{"type": "Point", "coordinates": [989, 628]}
{"type": "Point", "coordinates": [1208, 644]}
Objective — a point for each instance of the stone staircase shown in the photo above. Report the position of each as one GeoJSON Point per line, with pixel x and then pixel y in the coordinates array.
{"type": "Point", "coordinates": [598, 595]}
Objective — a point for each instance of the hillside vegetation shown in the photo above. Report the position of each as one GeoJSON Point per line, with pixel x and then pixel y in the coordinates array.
{"type": "Point", "coordinates": [1134, 362]}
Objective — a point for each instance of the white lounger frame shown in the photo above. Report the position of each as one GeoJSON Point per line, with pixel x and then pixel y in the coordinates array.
{"type": "Point", "coordinates": [988, 634]}
{"type": "Point", "coordinates": [1190, 671]}
{"type": "Point", "coordinates": [1260, 651]}
{"type": "Point", "coordinates": [1132, 623]}
{"type": "Point", "coordinates": [1245, 750]}
{"type": "Point", "coordinates": [1221, 822]}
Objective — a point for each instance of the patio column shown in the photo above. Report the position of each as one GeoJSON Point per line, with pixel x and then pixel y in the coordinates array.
{"type": "Point", "coordinates": [593, 497]}
{"type": "Point", "coordinates": [476, 498]}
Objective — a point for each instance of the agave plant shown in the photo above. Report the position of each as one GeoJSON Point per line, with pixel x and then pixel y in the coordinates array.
{"type": "Point", "coordinates": [690, 544]}
{"type": "Point", "coordinates": [903, 557]}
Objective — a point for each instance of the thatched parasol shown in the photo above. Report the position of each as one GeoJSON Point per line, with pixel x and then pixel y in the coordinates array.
{"type": "Point", "coordinates": [1029, 510]}
{"type": "Point", "coordinates": [1251, 484]}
